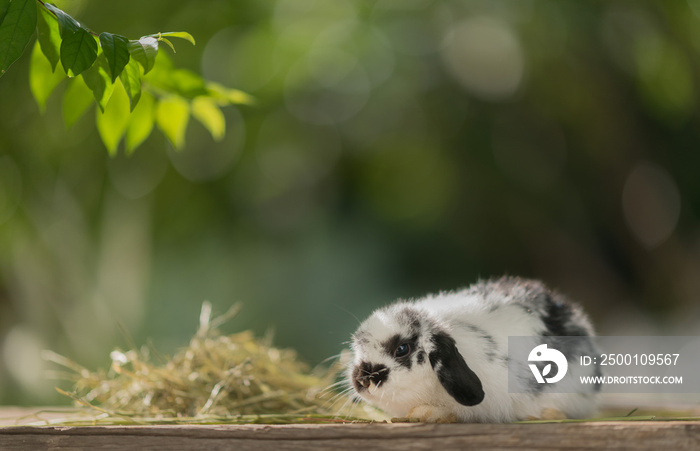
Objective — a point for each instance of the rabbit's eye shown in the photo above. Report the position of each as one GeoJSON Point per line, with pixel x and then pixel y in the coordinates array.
{"type": "Point", "coordinates": [402, 350]}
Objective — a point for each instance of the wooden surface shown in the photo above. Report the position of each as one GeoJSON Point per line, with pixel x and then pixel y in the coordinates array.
{"type": "Point", "coordinates": [647, 435]}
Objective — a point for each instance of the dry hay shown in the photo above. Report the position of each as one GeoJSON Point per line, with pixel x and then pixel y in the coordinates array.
{"type": "Point", "coordinates": [215, 379]}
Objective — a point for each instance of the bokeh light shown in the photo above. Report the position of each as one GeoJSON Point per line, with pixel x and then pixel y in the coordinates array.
{"type": "Point", "coordinates": [485, 56]}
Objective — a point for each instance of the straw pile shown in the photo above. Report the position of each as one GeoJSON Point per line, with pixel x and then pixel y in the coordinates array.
{"type": "Point", "coordinates": [216, 378]}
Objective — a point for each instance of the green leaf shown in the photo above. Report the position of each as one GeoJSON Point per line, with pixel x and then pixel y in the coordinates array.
{"type": "Point", "coordinates": [141, 123]}
{"type": "Point", "coordinates": [97, 79]}
{"type": "Point", "coordinates": [16, 29]}
{"type": "Point", "coordinates": [116, 51]}
{"type": "Point", "coordinates": [177, 34]}
{"type": "Point", "coordinates": [229, 96]}
{"type": "Point", "coordinates": [144, 51]}
{"type": "Point", "coordinates": [112, 124]}
{"type": "Point", "coordinates": [180, 81]}
{"type": "Point", "coordinates": [67, 24]}
{"type": "Point", "coordinates": [172, 115]}
{"type": "Point", "coordinates": [78, 52]}
{"type": "Point", "coordinates": [131, 80]}
{"type": "Point", "coordinates": [76, 100]}
{"type": "Point", "coordinates": [205, 110]}
{"type": "Point", "coordinates": [49, 37]}
{"type": "Point", "coordinates": [4, 6]}
{"type": "Point", "coordinates": [186, 83]}
{"type": "Point", "coordinates": [170, 44]}
{"type": "Point", "coordinates": [42, 80]}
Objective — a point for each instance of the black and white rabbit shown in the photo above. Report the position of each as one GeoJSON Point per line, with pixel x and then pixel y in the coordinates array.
{"type": "Point", "coordinates": [444, 358]}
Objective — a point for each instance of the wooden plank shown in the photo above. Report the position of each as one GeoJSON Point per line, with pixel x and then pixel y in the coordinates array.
{"type": "Point", "coordinates": [657, 435]}
{"type": "Point", "coordinates": [646, 435]}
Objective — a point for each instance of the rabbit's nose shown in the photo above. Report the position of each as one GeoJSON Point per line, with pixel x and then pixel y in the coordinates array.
{"type": "Point", "coordinates": [369, 376]}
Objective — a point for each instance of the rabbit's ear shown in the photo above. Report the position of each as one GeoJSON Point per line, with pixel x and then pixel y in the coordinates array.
{"type": "Point", "coordinates": [453, 372]}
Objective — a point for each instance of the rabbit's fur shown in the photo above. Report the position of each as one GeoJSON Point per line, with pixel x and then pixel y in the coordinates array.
{"type": "Point", "coordinates": [444, 358]}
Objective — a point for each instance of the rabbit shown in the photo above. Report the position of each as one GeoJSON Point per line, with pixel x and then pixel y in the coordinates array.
{"type": "Point", "coordinates": [444, 358]}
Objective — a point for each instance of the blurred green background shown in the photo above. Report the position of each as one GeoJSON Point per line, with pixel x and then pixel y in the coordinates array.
{"type": "Point", "coordinates": [398, 147]}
